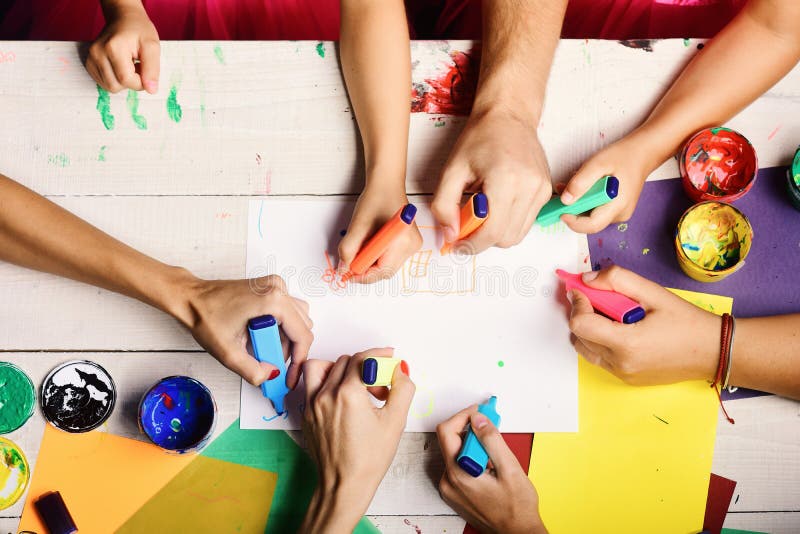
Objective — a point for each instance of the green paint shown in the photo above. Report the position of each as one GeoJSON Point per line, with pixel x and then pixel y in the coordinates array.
{"type": "Point", "coordinates": [13, 459]}
{"type": "Point", "coordinates": [59, 160]}
{"type": "Point", "coordinates": [719, 129]}
{"type": "Point", "coordinates": [621, 227]}
{"type": "Point", "coordinates": [796, 167]}
{"type": "Point", "coordinates": [275, 451]}
{"type": "Point", "coordinates": [219, 54]}
{"type": "Point", "coordinates": [102, 155]}
{"type": "Point", "coordinates": [104, 107]}
{"type": "Point", "coordinates": [175, 424]}
{"type": "Point", "coordinates": [501, 363]}
{"type": "Point", "coordinates": [17, 398]}
{"type": "Point", "coordinates": [133, 107]}
{"type": "Point", "coordinates": [736, 531]}
{"type": "Point", "coordinates": [439, 124]}
{"type": "Point", "coordinates": [686, 43]}
{"type": "Point", "coordinates": [202, 114]}
{"type": "Point", "coordinates": [173, 108]}
{"type": "Point", "coordinates": [321, 49]}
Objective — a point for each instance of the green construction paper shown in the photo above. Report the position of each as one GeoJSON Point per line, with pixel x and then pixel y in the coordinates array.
{"type": "Point", "coordinates": [735, 531]}
{"type": "Point", "coordinates": [276, 451]}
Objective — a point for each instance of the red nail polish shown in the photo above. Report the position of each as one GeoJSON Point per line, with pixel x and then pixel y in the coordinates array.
{"type": "Point", "coordinates": [274, 374]}
{"type": "Point", "coordinates": [404, 367]}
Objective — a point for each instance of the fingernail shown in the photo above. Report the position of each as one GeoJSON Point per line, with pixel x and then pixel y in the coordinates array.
{"type": "Point", "coordinates": [591, 275]}
{"type": "Point", "coordinates": [479, 421]}
{"type": "Point", "coordinates": [404, 367]}
{"type": "Point", "coordinates": [151, 86]}
{"type": "Point", "coordinates": [570, 296]}
{"type": "Point", "coordinates": [274, 374]}
{"type": "Point", "coordinates": [450, 234]}
{"type": "Point", "coordinates": [567, 197]}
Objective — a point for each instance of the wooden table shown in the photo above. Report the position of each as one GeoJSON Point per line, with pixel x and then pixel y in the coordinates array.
{"type": "Point", "coordinates": [273, 118]}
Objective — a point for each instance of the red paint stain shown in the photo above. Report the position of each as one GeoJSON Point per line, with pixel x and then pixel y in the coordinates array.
{"type": "Point", "coordinates": [599, 243]}
{"type": "Point", "coordinates": [7, 57]}
{"type": "Point", "coordinates": [168, 402]}
{"type": "Point", "coordinates": [451, 93]}
{"type": "Point", "coordinates": [415, 527]}
{"type": "Point", "coordinates": [268, 183]}
{"type": "Point", "coordinates": [602, 136]}
{"type": "Point", "coordinates": [586, 259]}
{"type": "Point", "coordinates": [223, 215]}
{"type": "Point", "coordinates": [774, 133]}
{"type": "Point", "coordinates": [258, 158]}
{"type": "Point", "coordinates": [64, 66]}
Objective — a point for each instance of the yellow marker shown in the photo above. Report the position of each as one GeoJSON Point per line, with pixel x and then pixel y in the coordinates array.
{"type": "Point", "coordinates": [379, 371]}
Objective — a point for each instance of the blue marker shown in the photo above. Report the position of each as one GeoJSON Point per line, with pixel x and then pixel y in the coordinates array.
{"type": "Point", "coordinates": [267, 348]}
{"type": "Point", "coordinates": [473, 457]}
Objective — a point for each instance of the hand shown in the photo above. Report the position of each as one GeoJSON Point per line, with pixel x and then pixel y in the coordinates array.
{"type": "Point", "coordinates": [502, 499]}
{"type": "Point", "coordinates": [675, 341]}
{"type": "Point", "coordinates": [128, 35]}
{"type": "Point", "coordinates": [630, 161]}
{"type": "Point", "coordinates": [376, 205]}
{"type": "Point", "coordinates": [220, 310]}
{"type": "Point", "coordinates": [351, 441]}
{"type": "Point", "coordinates": [499, 154]}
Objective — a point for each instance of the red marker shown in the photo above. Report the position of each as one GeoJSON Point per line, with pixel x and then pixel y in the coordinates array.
{"type": "Point", "coordinates": [613, 305]}
{"type": "Point", "coordinates": [383, 239]}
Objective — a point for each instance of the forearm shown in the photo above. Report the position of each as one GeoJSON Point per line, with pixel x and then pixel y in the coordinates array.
{"type": "Point", "coordinates": [114, 7]}
{"type": "Point", "coordinates": [376, 62]}
{"type": "Point", "coordinates": [519, 42]}
{"type": "Point", "coordinates": [37, 234]}
{"type": "Point", "coordinates": [766, 355]}
{"type": "Point", "coordinates": [333, 511]}
{"type": "Point", "coordinates": [729, 74]}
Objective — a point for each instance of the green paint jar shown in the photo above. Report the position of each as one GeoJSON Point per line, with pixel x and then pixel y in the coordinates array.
{"type": "Point", "coordinates": [17, 397]}
{"type": "Point", "coordinates": [793, 180]}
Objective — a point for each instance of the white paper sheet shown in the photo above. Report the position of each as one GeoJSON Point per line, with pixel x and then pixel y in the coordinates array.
{"type": "Point", "coordinates": [469, 326]}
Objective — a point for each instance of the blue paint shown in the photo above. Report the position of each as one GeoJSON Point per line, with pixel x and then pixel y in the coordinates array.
{"type": "Point", "coordinates": [260, 211]}
{"type": "Point", "coordinates": [178, 414]}
{"type": "Point", "coordinates": [268, 419]}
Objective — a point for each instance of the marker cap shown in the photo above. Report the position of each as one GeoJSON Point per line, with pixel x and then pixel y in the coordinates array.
{"type": "Point", "coordinates": [408, 213]}
{"type": "Point", "coordinates": [480, 205]}
{"type": "Point", "coordinates": [265, 321]}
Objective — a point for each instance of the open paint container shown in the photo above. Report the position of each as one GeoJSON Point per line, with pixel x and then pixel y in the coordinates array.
{"type": "Point", "coordinates": [17, 397]}
{"type": "Point", "coordinates": [78, 396]}
{"type": "Point", "coordinates": [14, 473]}
{"type": "Point", "coordinates": [712, 241]}
{"type": "Point", "coordinates": [178, 414]}
{"type": "Point", "coordinates": [793, 180]}
{"type": "Point", "coordinates": [717, 164]}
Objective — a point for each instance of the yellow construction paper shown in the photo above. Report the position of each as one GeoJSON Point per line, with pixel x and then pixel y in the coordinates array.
{"type": "Point", "coordinates": [104, 479]}
{"type": "Point", "coordinates": [641, 459]}
{"type": "Point", "coordinates": [209, 495]}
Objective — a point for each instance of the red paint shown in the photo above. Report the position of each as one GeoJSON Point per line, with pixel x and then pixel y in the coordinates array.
{"type": "Point", "coordinates": [268, 183]}
{"type": "Point", "coordinates": [273, 375]}
{"type": "Point", "coordinates": [404, 367]}
{"type": "Point", "coordinates": [415, 527]}
{"type": "Point", "coordinates": [223, 215]}
{"type": "Point", "coordinates": [718, 164]}
{"type": "Point", "coordinates": [451, 93]}
{"type": "Point", "coordinates": [7, 57]}
{"type": "Point", "coordinates": [774, 133]}
{"type": "Point", "coordinates": [599, 243]}
{"type": "Point", "coordinates": [168, 402]}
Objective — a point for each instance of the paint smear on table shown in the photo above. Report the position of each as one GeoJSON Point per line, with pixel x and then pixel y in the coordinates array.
{"type": "Point", "coordinates": [104, 107]}
{"type": "Point", "coordinates": [639, 44]}
{"type": "Point", "coordinates": [452, 92]}
{"type": "Point", "coordinates": [219, 54]}
{"type": "Point", "coordinates": [102, 155]}
{"type": "Point", "coordinates": [133, 108]}
{"type": "Point", "coordinates": [173, 108]}
{"type": "Point", "coordinates": [321, 49]}
{"type": "Point", "coordinates": [14, 473]}
{"type": "Point", "coordinates": [59, 160]}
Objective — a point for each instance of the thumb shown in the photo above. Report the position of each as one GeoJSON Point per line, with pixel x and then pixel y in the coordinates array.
{"type": "Point", "coordinates": [505, 463]}
{"type": "Point", "coordinates": [586, 324]}
{"type": "Point", "coordinates": [584, 179]}
{"type": "Point", "coordinates": [446, 205]}
{"type": "Point", "coordinates": [351, 243]}
{"type": "Point", "coordinates": [402, 392]}
{"type": "Point", "coordinates": [249, 368]}
{"type": "Point", "coordinates": [150, 67]}
{"type": "Point", "coordinates": [628, 283]}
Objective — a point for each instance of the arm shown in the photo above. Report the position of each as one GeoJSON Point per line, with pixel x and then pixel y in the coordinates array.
{"type": "Point", "coordinates": [128, 35]}
{"type": "Point", "coordinates": [376, 62]}
{"type": "Point", "coordinates": [351, 441]}
{"type": "Point", "coordinates": [679, 341]}
{"type": "Point", "coordinates": [499, 151]}
{"type": "Point", "coordinates": [697, 99]}
{"type": "Point", "coordinates": [37, 234]}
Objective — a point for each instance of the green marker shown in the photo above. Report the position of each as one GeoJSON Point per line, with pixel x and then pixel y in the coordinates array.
{"type": "Point", "coordinates": [602, 192]}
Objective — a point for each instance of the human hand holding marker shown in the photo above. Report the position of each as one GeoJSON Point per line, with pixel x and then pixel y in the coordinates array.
{"type": "Point", "coordinates": [474, 213]}
{"type": "Point", "coordinates": [502, 499]}
{"type": "Point", "coordinates": [352, 441]}
{"type": "Point", "coordinates": [127, 54]}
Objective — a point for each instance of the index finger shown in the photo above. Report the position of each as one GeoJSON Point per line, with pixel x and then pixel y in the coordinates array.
{"type": "Point", "coordinates": [596, 221]}
{"type": "Point", "coordinates": [493, 229]}
{"type": "Point", "coordinates": [298, 332]}
{"type": "Point", "coordinates": [150, 56]}
{"type": "Point", "coordinates": [125, 71]}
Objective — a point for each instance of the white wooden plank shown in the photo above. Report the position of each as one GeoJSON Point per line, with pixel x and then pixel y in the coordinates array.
{"type": "Point", "coordinates": [275, 118]}
{"type": "Point", "coordinates": [772, 522]}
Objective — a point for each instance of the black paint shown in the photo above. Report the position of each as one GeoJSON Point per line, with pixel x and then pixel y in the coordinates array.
{"type": "Point", "coordinates": [71, 406]}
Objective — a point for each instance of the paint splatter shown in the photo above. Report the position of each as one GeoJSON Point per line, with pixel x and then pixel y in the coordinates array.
{"type": "Point", "coordinates": [219, 54]}
{"type": "Point", "coordinates": [686, 42]}
{"type": "Point", "coordinates": [639, 44]}
{"type": "Point", "coordinates": [622, 227]}
{"type": "Point", "coordinates": [501, 363]}
{"type": "Point", "coordinates": [133, 107]}
{"type": "Point", "coordinates": [453, 92]}
{"type": "Point", "coordinates": [258, 158]}
{"type": "Point", "coordinates": [599, 243]}
{"type": "Point", "coordinates": [173, 108]}
{"type": "Point", "coordinates": [64, 64]}
{"type": "Point", "coordinates": [7, 57]}
{"type": "Point", "coordinates": [586, 54]}
{"type": "Point", "coordinates": [416, 528]}
{"type": "Point", "coordinates": [104, 107]}
{"type": "Point", "coordinates": [59, 160]}
{"type": "Point", "coordinates": [268, 183]}
{"type": "Point", "coordinates": [438, 122]}
{"type": "Point", "coordinates": [102, 155]}
{"type": "Point", "coordinates": [663, 421]}
{"type": "Point", "coordinates": [268, 419]}
{"type": "Point", "coordinates": [168, 402]}
{"type": "Point", "coordinates": [223, 215]}
{"type": "Point", "coordinates": [645, 251]}
{"type": "Point", "coordinates": [321, 49]}
{"type": "Point", "coordinates": [175, 424]}
{"type": "Point", "coordinates": [623, 245]}
{"type": "Point", "coordinates": [260, 212]}
{"type": "Point", "coordinates": [774, 133]}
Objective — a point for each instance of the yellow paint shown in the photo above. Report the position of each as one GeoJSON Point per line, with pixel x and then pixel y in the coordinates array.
{"type": "Point", "coordinates": [626, 470]}
{"type": "Point", "coordinates": [14, 473]}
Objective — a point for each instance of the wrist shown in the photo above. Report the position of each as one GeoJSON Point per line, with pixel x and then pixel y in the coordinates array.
{"type": "Point", "coordinates": [114, 9]}
{"type": "Point", "coordinates": [708, 358]}
{"type": "Point", "coordinates": [507, 102]}
{"type": "Point", "coordinates": [334, 508]}
{"type": "Point", "coordinates": [172, 293]}
{"type": "Point", "coordinates": [390, 176]}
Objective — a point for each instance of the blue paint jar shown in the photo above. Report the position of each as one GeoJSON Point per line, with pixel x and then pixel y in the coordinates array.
{"type": "Point", "coordinates": [178, 414]}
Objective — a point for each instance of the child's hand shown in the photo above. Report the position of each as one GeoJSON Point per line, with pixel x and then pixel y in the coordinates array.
{"type": "Point", "coordinates": [220, 310]}
{"type": "Point", "coordinates": [676, 340]}
{"type": "Point", "coordinates": [501, 499]}
{"type": "Point", "coordinates": [499, 154]}
{"type": "Point", "coordinates": [128, 35]}
{"type": "Point", "coordinates": [628, 160]}
{"type": "Point", "coordinates": [376, 205]}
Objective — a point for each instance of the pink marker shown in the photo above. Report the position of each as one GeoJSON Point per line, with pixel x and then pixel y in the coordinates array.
{"type": "Point", "coordinates": [613, 305]}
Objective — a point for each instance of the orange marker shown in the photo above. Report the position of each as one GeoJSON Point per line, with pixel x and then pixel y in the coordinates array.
{"type": "Point", "coordinates": [382, 240]}
{"type": "Point", "coordinates": [473, 214]}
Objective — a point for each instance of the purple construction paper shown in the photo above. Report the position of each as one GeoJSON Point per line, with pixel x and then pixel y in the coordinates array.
{"type": "Point", "coordinates": [767, 284]}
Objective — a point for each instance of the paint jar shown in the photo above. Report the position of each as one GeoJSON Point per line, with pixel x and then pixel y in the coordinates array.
{"type": "Point", "coordinates": [17, 397]}
{"type": "Point", "coordinates": [178, 414]}
{"type": "Point", "coordinates": [793, 180]}
{"type": "Point", "coordinates": [14, 473]}
{"type": "Point", "coordinates": [712, 241]}
{"type": "Point", "coordinates": [717, 164]}
{"type": "Point", "coordinates": [78, 396]}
